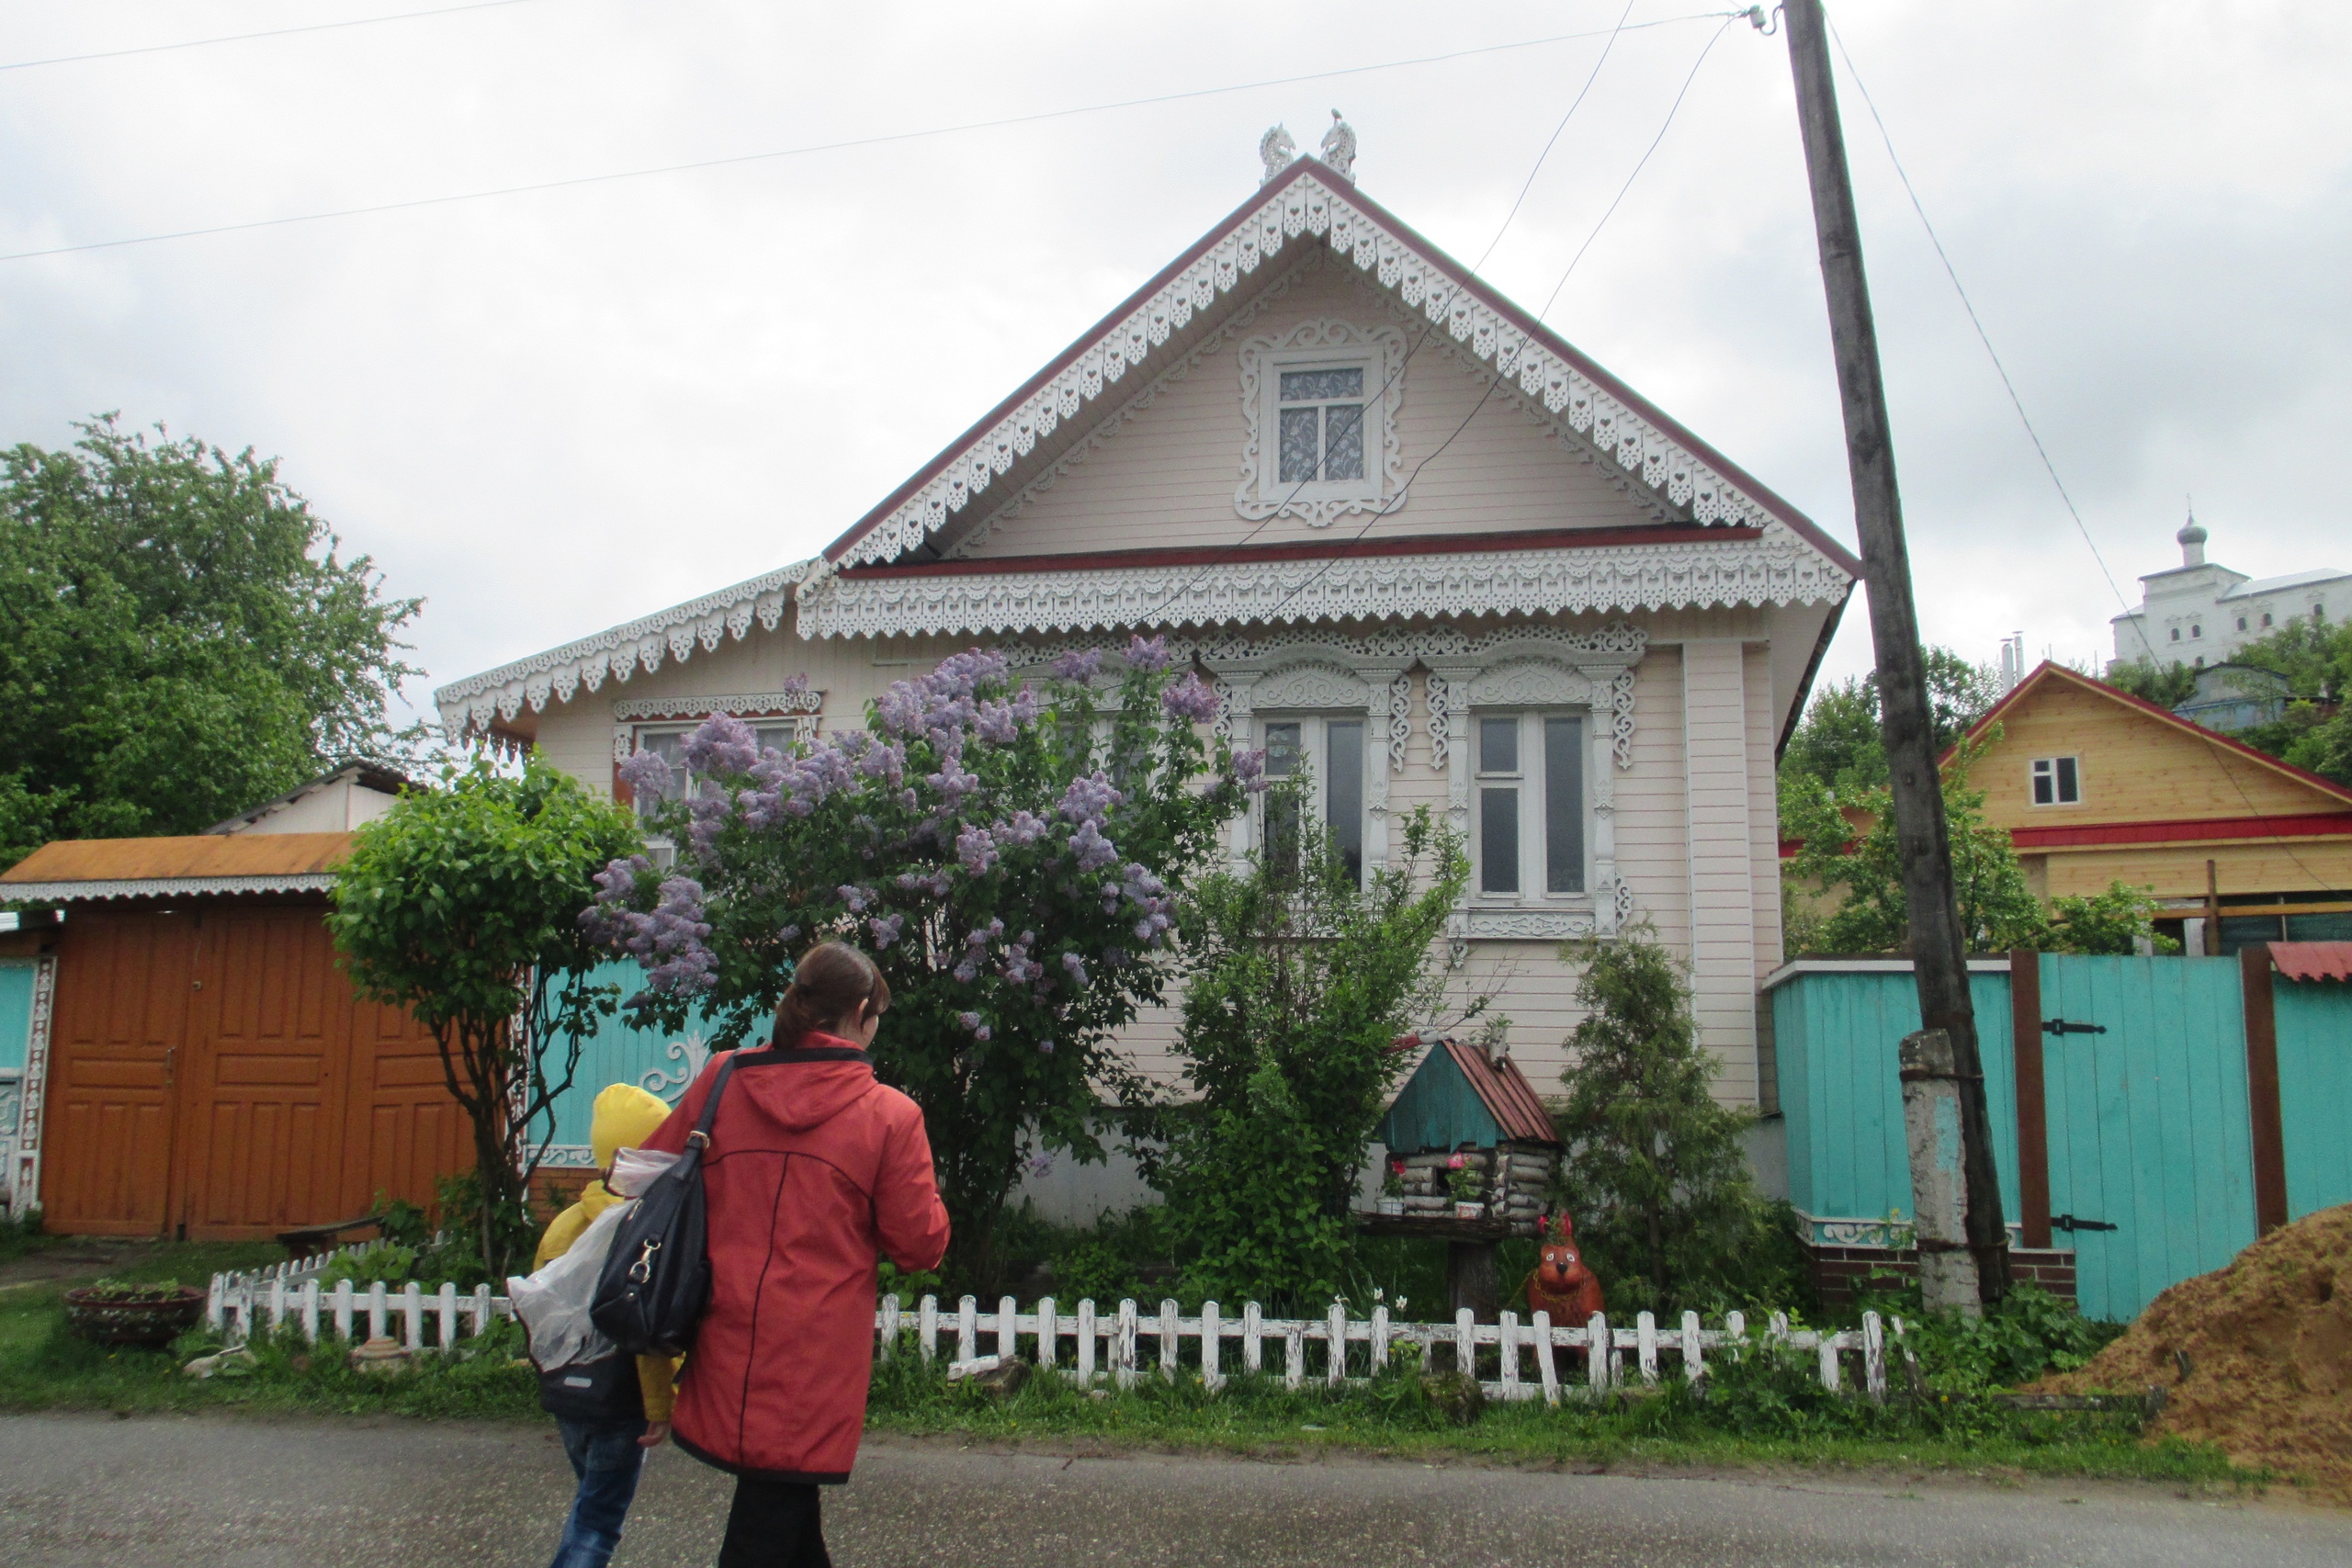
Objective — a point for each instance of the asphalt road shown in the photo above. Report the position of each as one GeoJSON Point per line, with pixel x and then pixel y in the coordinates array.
{"type": "Point", "coordinates": [87, 1490]}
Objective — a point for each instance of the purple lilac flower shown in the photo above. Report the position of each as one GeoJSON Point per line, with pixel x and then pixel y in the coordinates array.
{"type": "Point", "coordinates": [1077, 664]}
{"type": "Point", "coordinates": [1090, 799]}
{"type": "Point", "coordinates": [1044, 1047]}
{"type": "Point", "coordinates": [1026, 704]}
{"type": "Point", "coordinates": [1023, 829]}
{"type": "Point", "coordinates": [1116, 957]}
{"type": "Point", "coordinates": [646, 772]}
{"type": "Point", "coordinates": [1094, 850]}
{"type": "Point", "coordinates": [968, 1019]}
{"type": "Point", "coordinates": [1250, 767]}
{"type": "Point", "coordinates": [884, 763]}
{"type": "Point", "coordinates": [857, 899]}
{"type": "Point", "coordinates": [1152, 655]}
{"type": "Point", "coordinates": [968, 971]}
{"type": "Point", "coordinates": [1041, 1164]}
{"type": "Point", "coordinates": [676, 933]}
{"type": "Point", "coordinates": [1075, 965]}
{"type": "Point", "coordinates": [982, 1033]}
{"type": "Point", "coordinates": [722, 744]}
{"type": "Point", "coordinates": [953, 783]}
{"type": "Point", "coordinates": [1191, 698]}
{"type": "Point", "coordinates": [885, 930]}
{"type": "Point", "coordinates": [787, 933]}
{"type": "Point", "coordinates": [994, 723]}
{"type": "Point", "coordinates": [796, 683]}
{"type": "Point", "coordinates": [976, 848]}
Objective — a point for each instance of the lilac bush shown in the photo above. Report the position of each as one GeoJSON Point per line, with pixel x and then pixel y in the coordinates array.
{"type": "Point", "coordinates": [1009, 852]}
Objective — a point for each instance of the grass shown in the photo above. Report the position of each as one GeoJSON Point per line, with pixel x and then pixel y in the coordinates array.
{"type": "Point", "coordinates": [1762, 1420]}
{"type": "Point", "coordinates": [1260, 1417]}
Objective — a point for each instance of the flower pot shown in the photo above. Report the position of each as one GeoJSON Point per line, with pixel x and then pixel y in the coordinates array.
{"type": "Point", "coordinates": [151, 1320]}
{"type": "Point", "coordinates": [1392, 1205]}
{"type": "Point", "coordinates": [1466, 1210]}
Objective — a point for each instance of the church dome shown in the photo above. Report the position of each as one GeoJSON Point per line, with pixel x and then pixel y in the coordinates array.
{"type": "Point", "coordinates": [2191, 532]}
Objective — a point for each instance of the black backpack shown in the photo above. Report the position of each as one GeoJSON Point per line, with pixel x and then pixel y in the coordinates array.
{"type": "Point", "coordinates": [656, 1282]}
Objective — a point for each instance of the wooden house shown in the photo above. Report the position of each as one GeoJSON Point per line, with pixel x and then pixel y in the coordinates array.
{"type": "Point", "coordinates": [194, 1062]}
{"type": "Point", "coordinates": [2096, 786]}
{"type": "Point", "coordinates": [1409, 531]}
{"type": "Point", "coordinates": [1468, 1125]}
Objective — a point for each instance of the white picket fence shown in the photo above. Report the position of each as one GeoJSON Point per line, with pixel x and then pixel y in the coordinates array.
{"type": "Point", "coordinates": [1121, 1344]}
{"type": "Point", "coordinates": [1086, 1345]}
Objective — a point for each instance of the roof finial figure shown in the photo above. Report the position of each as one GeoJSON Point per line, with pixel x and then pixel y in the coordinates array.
{"type": "Point", "coordinates": [1340, 148]}
{"type": "Point", "coordinates": [1275, 150]}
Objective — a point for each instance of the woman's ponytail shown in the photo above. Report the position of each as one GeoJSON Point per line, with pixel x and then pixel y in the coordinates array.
{"type": "Point", "coordinates": [833, 984]}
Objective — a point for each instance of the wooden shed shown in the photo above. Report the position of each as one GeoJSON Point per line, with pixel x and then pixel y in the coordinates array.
{"type": "Point", "coordinates": [195, 1063]}
{"type": "Point", "coordinates": [1466, 1121]}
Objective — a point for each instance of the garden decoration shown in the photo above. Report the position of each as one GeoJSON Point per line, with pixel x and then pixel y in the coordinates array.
{"type": "Point", "coordinates": [1560, 1284]}
{"type": "Point", "coordinates": [149, 1315]}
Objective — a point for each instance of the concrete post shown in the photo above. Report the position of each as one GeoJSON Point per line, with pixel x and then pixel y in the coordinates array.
{"type": "Point", "coordinates": [1938, 1181]}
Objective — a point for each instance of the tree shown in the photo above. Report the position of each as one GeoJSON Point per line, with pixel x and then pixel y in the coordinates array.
{"type": "Point", "coordinates": [2315, 657]}
{"type": "Point", "coordinates": [1008, 855]}
{"type": "Point", "coordinates": [179, 640]}
{"type": "Point", "coordinates": [462, 905]}
{"type": "Point", "coordinates": [2165, 685]}
{"type": "Point", "coordinates": [1298, 979]}
{"type": "Point", "coordinates": [1998, 910]}
{"type": "Point", "coordinates": [1838, 740]}
{"type": "Point", "coordinates": [1656, 1174]}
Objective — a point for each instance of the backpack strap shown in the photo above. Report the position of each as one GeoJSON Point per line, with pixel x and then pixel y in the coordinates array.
{"type": "Point", "coordinates": [700, 1138]}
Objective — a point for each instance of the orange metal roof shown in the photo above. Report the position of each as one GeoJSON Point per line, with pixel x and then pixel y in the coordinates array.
{"type": "Point", "coordinates": [2312, 959]}
{"type": "Point", "coordinates": [202, 855]}
{"type": "Point", "coordinates": [1506, 1093]}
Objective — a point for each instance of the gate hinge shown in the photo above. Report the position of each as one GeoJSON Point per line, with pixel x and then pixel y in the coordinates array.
{"type": "Point", "coordinates": [2061, 1026]}
{"type": "Point", "coordinates": [2068, 1222]}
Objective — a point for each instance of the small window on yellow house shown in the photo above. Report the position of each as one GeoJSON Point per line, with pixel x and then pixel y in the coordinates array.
{"type": "Point", "coordinates": [2057, 781]}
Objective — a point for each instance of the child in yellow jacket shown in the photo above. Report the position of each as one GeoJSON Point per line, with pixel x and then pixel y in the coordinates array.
{"type": "Point", "coordinates": [608, 1453]}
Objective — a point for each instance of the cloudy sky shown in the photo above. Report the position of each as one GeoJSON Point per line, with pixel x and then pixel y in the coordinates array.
{"type": "Point", "coordinates": [549, 411]}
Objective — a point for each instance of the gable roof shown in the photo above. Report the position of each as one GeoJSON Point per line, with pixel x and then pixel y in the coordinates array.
{"type": "Point", "coordinates": [1154, 324]}
{"type": "Point", "coordinates": [1496, 1084]}
{"type": "Point", "coordinates": [2047, 673]}
{"type": "Point", "coordinates": [366, 776]}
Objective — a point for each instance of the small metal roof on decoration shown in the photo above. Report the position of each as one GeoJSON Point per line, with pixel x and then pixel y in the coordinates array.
{"type": "Point", "coordinates": [1461, 1095]}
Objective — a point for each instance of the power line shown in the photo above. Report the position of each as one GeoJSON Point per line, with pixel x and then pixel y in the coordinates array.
{"type": "Point", "coordinates": [1530, 183]}
{"type": "Point", "coordinates": [813, 148]}
{"type": "Point", "coordinates": [243, 37]}
{"type": "Point", "coordinates": [2221, 759]}
{"type": "Point", "coordinates": [1670, 113]}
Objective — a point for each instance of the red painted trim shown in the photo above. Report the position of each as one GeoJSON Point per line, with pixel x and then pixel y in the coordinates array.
{"type": "Point", "coordinates": [2325, 825]}
{"type": "Point", "coordinates": [1732, 472]}
{"type": "Point", "coordinates": [1316, 550]}
{"type": "Point", "coordinates": [2046, 671]}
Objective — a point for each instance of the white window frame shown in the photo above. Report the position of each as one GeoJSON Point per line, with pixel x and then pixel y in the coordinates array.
{"type": "Point", "coordinates": [1314, 744]}
{"type": "Point", "coordinates": [2046, 768]}
{"type": "Point", "coordinates": [1321, 345]}
{"type": "Point", "coordinates": [1533, 782]}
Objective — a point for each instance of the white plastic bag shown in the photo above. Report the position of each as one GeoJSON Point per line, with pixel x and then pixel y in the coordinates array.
{"type": "Point", "coordinates": [552, 1304]}
{"type": "Point", "coordinates": [634, 1170]}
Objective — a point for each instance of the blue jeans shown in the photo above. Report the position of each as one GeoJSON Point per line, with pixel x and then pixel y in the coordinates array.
{"type": "Point", "coordinates": [606, 1458]}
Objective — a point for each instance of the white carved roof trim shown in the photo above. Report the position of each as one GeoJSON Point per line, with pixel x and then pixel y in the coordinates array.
{"type": "Point", "coordinates": [1774, 569]}
{"type": "Point", "coordinates": [474, 704]}
{"type": "Point", "coordinates": [167, 886]}
{"type": "Point", "coordinates": [1308, 198]}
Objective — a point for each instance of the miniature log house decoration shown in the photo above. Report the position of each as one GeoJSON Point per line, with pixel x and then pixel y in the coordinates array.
{"type": "Point", "coordinates": [1478, 1151]}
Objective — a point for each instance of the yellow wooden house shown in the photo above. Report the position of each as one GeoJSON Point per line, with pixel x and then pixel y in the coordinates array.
{"type": "Point", "coordinates": [2097, 786]}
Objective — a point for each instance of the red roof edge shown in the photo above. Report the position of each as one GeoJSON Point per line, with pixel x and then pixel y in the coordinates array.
{"type": "Point", "coordinates": [1299, 169]}
{"type": "Point", "coordinates": [2048, 670]}
{"type": "Point", "coordinates": [2312, 959]}
{"type": "Point", "coordinates": [1505, 1093]}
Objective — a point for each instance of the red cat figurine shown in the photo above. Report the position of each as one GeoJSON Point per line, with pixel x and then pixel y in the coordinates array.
{"type": "Point", "coordinates": [1561, 1284]}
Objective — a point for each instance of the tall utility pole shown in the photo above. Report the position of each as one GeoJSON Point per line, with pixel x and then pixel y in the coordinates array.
{"type": "Point", "coordinates": [1938, 952]}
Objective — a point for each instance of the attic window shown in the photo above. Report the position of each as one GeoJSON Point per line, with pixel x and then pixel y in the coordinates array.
{"type": "Point", "coordinates": [1319, 410]}
{"type": "Point", "coordinates": [2057, 781]}
{"type": "Point", "coordinates": [1322, 425]}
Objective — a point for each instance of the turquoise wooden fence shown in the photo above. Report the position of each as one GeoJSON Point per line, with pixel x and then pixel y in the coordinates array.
{"type": "Point", "coordinates": [2148, 1125]}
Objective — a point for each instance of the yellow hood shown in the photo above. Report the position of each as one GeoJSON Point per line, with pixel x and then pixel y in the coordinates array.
{"type": "Point", "coordinates": [623, 1118]}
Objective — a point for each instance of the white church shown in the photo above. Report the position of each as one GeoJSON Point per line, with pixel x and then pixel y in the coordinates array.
{"type": "Point", "coordinates": [2199, 613]}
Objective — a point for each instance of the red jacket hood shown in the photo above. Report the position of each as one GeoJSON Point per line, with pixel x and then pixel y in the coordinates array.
{"type": "Point", "coordinates": [829, 1075]}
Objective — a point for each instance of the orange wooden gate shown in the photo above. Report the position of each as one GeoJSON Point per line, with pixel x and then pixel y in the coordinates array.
{"type": "Point", "coordinates": [213, 1077]}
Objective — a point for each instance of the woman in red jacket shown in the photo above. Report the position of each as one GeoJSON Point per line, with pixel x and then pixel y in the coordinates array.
{"type": "Point", "coordinates": [813, 1170]}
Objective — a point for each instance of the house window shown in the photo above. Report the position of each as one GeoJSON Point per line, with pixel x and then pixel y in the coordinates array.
{"type": "Point", "coordinates": [2240, 623]}
{"type": "Point", "coordinates": [2196, 631]}
{"type": "Point", "coordinates": [670, 746]}
{"type": "Point", "coordinates": [1330, 752]}
{"type": "Point", "coordinates": [1322, 425]}
{"type": "Point", "coordinates": [1531, 804]}
{"type": "Point", "coordinates": [2057, 781]}
{"type": "Point", "coordinates": [2319, 612]}
{"type": "Point", "coordinates": [2176, 634]}
{"type": "Point", "coordinates": [2266, 618]}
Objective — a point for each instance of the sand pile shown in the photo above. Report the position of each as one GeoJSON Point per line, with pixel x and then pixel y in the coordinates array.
{"type": "Point", "coordinates": [2269, 1347]}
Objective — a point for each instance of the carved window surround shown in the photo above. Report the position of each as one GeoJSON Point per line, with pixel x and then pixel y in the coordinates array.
{"type": "Point", "coordinates": [1380, 353]}
{"type": "Point", "coordinates": [22, 1172]}
{"type": "Point", "coordinates": [631, 712]}
{"type": "Point", "coordinates": [1772, 566]}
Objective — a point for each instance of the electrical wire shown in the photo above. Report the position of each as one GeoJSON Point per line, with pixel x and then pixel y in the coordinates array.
{"type": "Point", "coordinates": [843, 145]}
{"type": "Point", "coordinates": [1886, 138]}
{"type": "Point", "coordinates": [1529, 183]}
{"type": "Point", "coordinates": [1638, 166]}
{"type": "Point", "coordinates": [243, 37]}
